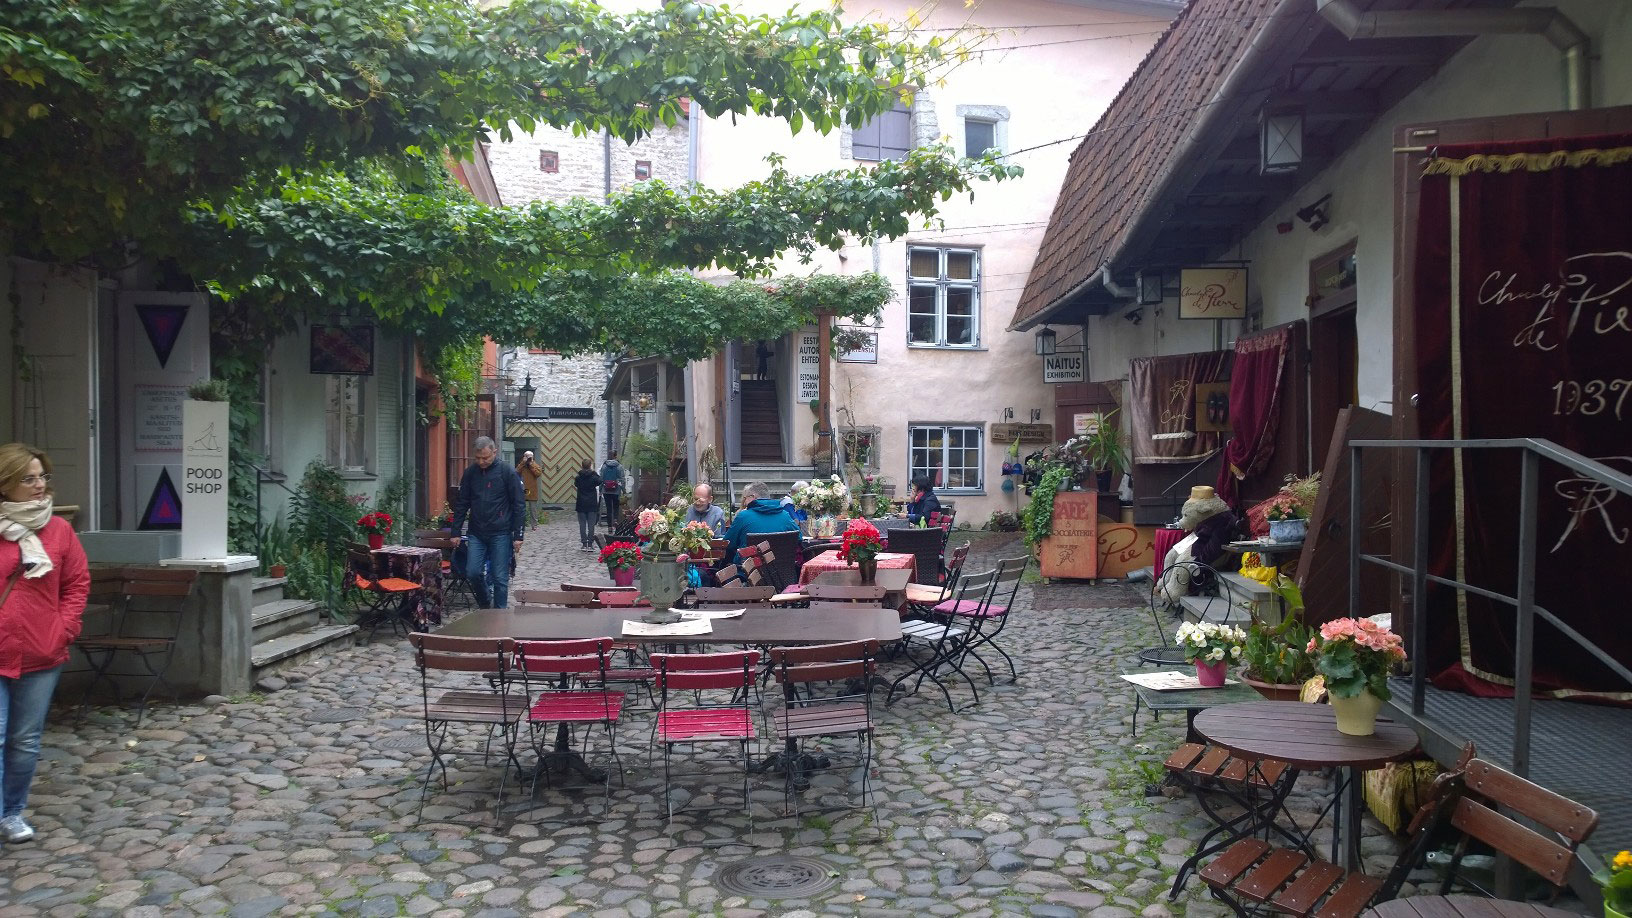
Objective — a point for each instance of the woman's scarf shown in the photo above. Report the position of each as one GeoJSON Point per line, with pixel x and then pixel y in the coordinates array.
{"type": "Point", "coordinates": [20, 522]}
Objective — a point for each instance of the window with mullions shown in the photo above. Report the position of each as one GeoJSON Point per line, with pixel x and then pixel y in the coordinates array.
{"type": "Point", "coordinates": [943, 297]}
{"type": "Point", "coordinates": [948, 456]}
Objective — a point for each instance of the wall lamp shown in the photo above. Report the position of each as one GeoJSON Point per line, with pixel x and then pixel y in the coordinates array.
{"type": "Point", "coordinates": [1045, 341]}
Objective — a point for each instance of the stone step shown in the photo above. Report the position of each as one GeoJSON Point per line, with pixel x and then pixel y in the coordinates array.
{"type": "Point", "coordinates": [283, 616]}
{"type": "Point", "coordinates": [266, 589]}
{"type": "Point", "coordinates": [1246, 587]}
{"type": "Point", "coordinates": [1215, 609]}
{"type": "Point", "coordinates": [293, 649]}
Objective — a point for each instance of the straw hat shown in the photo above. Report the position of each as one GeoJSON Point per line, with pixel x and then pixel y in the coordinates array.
{"type": "Point", "coordinates": [1202, 492]}
{"type": "Point", "coordinates": [1204, 503]}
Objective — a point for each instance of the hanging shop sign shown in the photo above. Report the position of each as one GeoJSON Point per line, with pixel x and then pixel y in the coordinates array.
{"type": "Point", "coordinates": [1213, 293]}
{"type": "Point", "coordinates": [1066, 367]}
{"type": "Point", "coordinates": [1024, 433]}
{"type": "Point", "coordinates": [810, 366]}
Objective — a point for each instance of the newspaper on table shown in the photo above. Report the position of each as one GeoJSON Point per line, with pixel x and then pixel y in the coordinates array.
{"type": "Point", "coordinates": [675, 629]}
{"type": "Point", "coordinates": [710, 614]}
{"type": "Point", "coordinates": [1170, 681]}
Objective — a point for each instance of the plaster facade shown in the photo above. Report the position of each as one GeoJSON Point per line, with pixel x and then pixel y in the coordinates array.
{"type": "Point", "coordinates": [1494, 75]}
{"type": "Point", "coordinates": [1082, 53]}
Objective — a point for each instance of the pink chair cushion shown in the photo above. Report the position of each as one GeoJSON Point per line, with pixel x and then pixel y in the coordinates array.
{"type": "Point", "coordinates": [969, 608]}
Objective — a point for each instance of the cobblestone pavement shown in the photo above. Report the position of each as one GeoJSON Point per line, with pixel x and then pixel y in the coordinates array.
{"type": "Point", "coordinates": [303, 801]}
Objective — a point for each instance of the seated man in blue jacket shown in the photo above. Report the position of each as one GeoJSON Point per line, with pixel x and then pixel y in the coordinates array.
{"type": "Point", "coordinates": [759, 514]}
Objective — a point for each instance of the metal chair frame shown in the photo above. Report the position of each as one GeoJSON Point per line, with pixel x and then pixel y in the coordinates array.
{"type": "Point", "coordinates": [945, 639]}
{"type": "Point", "coordinates": [122, 585]}
{"type": "Point", "coordinates": [987, 622]}
{"type": "Point", "coordinates": [500, 710]}
{"type": "Point", "coordinates": [373, 596]}
{"type": "Point", "coordinates": [729, 722]}
{"type": "Point", "coordinates": [548, 670]}
{"type": "Point", "coordinates": [808, 716]}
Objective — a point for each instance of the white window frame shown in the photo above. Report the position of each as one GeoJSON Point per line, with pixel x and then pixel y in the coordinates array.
{"type": "Point", "coordinates": [942, 284]}
{"type": "Point", "coordinates": [979, 431]}
{"type": "Point", "coordinates": [337, 450]}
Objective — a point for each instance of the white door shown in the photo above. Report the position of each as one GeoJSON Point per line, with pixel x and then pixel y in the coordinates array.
{"type": "Point", "coordinates": [53, 395]}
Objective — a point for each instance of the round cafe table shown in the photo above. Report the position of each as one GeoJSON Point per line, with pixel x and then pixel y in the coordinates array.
{"type": "Point", "coordinates": [1462, 907]}
{"type": "Point", "coordinates": [1305, 736]}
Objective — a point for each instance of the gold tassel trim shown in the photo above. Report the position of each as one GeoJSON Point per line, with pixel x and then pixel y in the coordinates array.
{"type": "Point", "coordinates": [1528, 162]}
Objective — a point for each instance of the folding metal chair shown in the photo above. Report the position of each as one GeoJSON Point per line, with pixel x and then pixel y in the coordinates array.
{"type": "Point", "coordinates": [549, 669]}
{"type": "Point", "coordinates": [924, 597]}
{"type": "Point", "coordinates": [147, 608]}
{"type": "Point", "coordinates": [944, 637]}
{"type": "Point", "coordinates": [806, 715]}
{"type": "Point", "coordinates": [987, 619]}
{"type": "Point", "coordinates": [381, 600]}
{"type": "Point", "coordinates": [447, 704]}
{"type": "Point", "coordinates": [730, 721]}
{"type": "Point", "coordinates": [575, 599]}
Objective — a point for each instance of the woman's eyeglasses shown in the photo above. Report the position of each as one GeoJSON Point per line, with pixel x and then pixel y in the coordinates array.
{"type": "Point", "coordinates": [33, 480]}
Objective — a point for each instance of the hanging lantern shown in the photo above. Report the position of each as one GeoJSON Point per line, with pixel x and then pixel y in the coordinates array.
{"type": "Point", "coordinates": [1045, 341]}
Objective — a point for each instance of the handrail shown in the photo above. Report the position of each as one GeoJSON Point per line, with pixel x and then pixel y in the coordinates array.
{"type": "Point", "coordinates": [1524, 602]}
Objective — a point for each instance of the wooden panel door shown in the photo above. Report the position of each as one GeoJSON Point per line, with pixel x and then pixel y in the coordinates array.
{"type": "Point", "coordinates": [1323, 566]}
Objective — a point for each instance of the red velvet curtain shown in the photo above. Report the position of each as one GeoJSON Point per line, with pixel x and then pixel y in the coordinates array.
{"type": "Point", "coordinates": [1255, 406]}
{"type": "Point", "coordinates": [1523, 325]}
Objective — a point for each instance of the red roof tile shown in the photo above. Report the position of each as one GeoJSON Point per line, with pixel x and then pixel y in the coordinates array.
{"type": "Point", "coordinates": [1118, 166]}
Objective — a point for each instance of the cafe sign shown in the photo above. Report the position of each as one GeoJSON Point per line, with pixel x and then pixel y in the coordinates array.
{"type": "Point", "coordinates": [1213, 293]}
{"type": "Point", "coordinates": [1066, 367]}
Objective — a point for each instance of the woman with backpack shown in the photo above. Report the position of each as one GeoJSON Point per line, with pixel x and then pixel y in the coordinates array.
{"type": "Point", "coordinates": [612, 487]}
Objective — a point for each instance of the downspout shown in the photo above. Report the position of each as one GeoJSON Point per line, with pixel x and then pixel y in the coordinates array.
{"type": "Point", "coordinates": [1110, 285]}
{"type": "Point", "coordinates": [1547, 22]}
{"type": "Point", "coordinates": [689, 419]}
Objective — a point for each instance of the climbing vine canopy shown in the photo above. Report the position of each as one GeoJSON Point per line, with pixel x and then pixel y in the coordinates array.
{"type": "Point", "coordinates": [285, 153]}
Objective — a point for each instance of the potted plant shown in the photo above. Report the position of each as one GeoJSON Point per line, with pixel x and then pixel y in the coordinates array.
{"type": "Point", "coordinates": [670, 545]}
{"type": "Point", "coordinates": [443, 520]}
{"type": "Point", "coordinates": [375, 525]}
{"type": "Point", "coordinates": [861, 546]}
{"type": "Point", "coordinates": [1355, 655]}
{"type": "Point", "coordinates": [824, 501]}
{"type": "Point", "coordinates": [871, 495]}
{"type": "Point", "coordinates": [1102, 451]}
{"type": "Point", "coordinates": [620, 559]}
{"type": "Point", "coordinates": [1288, 520]}
{"type": "Point", "coordinates": [1276, 658]}
{"type": "Point", "coordinates": [1617, 883]}
{"type": "Point", "coordinates": [1211, 646]}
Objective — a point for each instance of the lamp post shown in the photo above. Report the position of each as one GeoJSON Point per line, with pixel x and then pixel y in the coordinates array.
{"type": "Point", "coordinates": [526, 392]}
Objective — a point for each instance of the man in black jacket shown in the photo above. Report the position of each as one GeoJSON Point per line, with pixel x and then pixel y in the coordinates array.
{"type": "Point", "coordinates": [491, 497]}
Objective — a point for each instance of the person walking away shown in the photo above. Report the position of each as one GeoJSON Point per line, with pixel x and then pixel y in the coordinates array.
{"type": "Point", "coordinates": [612, 487]}
{"type": "Point", "coordinates": [490, 498]}
{"type": "Point", "coordinates": [43, 584]}
{"type": "Point", "coordinates": [531, 473]}
{"type": "Point", "coordinates": [924, 502]}
{"type": "Point", "coordinates": [702, 509]}
{"type": "Point", "coordinates": [587, 505]}
{"type": "Point", "coordinates": [763, 352]}
{"type": "Point", "coordinates": [759, 514]}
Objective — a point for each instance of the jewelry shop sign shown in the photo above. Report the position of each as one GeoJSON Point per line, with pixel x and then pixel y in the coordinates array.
{"type": "Point", "coordinates": [1066, 367]}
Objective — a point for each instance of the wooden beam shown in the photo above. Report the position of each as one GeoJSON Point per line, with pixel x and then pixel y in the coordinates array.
{"type": "Point", "coordinates": [1242, 183]}
{"type": "Point", "coordinates": [1336, 51]}
{"type": "Point", "coordinates": [1218, 215]}
{"type": "Point", "coordinates": [1329, 105]}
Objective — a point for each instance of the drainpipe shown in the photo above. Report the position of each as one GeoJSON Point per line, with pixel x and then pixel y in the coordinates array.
{"type": "Point", "coordinates": [606, 161]}
{"type": "Point", "coordinates": [1547, 22]}
{"type": "Point", "coordinates": [689, 419]}
{"type": "Point", "coordinates": [1110, 285]}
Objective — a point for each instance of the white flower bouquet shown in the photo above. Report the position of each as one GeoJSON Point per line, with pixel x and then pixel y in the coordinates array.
{"type": "Point", "coordinates": [1207, 642]}
{"type": "Point", "coordinates": [823, 498]}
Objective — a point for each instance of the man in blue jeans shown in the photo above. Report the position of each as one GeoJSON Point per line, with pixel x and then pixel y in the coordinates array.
{"type": "Point", "coordinates": [491, 497]}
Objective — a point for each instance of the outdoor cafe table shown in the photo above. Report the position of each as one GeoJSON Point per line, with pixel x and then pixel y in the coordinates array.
{"type": "Point", "coordinates": [1190, 701]}
{"type": "Point", "coordinates": [829, 561]}
{"type": "Point", "coordinates": [424, 567]}
{"type": "Point", "coordinates": [1305, 736]}
{"type": "Point", "coordinates": [1462, 907]}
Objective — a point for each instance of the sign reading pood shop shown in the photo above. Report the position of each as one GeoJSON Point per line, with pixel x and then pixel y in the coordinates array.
{"type": "Point", "coordinates": [203, 480]}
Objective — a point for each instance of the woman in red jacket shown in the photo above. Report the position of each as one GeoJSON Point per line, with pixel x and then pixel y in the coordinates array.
{"type": "Point", "coordinates": [44, 582]}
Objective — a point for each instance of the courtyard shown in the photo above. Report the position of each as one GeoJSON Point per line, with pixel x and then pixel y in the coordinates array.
{"type": "Point", "coordinates": [302, 800]}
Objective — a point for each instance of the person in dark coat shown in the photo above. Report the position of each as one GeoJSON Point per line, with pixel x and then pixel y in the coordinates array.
{"type": "Point", "coordinates": [491, 499]}
{"type": "Point", "coordinates": [612, 487]}
{"type": "Point", "coordinates": [924, 502]}
{"type": "Point", "coordinates": [759, 515]}
{"type": "Point", "coordinates": [587, 504]}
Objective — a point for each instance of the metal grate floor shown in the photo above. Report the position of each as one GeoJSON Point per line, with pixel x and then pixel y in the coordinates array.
{"type": "Point", "coordinates": [1577, 749]}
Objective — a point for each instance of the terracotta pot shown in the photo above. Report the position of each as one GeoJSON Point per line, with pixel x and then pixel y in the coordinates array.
{"type": "Point", "coordinates": [624, 577]}
{"type": "Point", "coordinates": [277, 570]}
{"type": "Point", "coordinates": [376, 540]}
{"type": "Point", "coordinates": [1211, 675]}
{"type": "Point", "coordinates": [1357, 716]}
{"type": "Point", "coordinates": [1276, 691]}
{"type": "Point", "coordinates": [869, 571]}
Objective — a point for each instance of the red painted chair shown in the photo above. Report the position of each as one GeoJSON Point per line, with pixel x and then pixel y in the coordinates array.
{"type": "Point", "coordinates": [704, 721]}
{"type": "Point", "coordinates": [569, 679]}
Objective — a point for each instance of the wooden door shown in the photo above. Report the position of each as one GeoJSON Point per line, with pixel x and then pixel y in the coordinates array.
{"type": "Point", "coordinates": [1323, 566]}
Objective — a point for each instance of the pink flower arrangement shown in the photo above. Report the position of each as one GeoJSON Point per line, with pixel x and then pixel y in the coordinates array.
{"type": "Point", "coordinates": [1356, 655]}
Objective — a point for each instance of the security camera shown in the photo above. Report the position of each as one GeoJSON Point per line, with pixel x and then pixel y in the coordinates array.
{"type": "Point", "coordinates": [1314, 215]}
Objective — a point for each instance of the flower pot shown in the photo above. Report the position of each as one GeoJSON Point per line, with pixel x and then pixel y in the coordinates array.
{"type": "Point", "coordinates": [1611, 912]}
{"type": "Point", "coordinates": [869, 505]}
{"type": "Point", "coordinates": [376, 540]}
{"type": "Point", "coordinates": [1276, 691]}
{"type": "Point", "coordinates": [1288, 530]}
{"type": "Point", "coordinates": [277, 570]}
{"type": "Point", "coordinates": [824, 527]}
{"type": "Point", "coordinates": [1357, 716]}
{"type": "Point", "coordinates": [1211, 675]}
{"type": "Point", "coordinates": [622, 576]}
{"type": "Point", "coordinates": [662, 583]}
{"type": "Point", "coordinates": [868, 570]}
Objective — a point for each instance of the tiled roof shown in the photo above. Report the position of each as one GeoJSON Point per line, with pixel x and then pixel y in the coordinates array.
{"type": "Point", "coordinates": [1117, 168]}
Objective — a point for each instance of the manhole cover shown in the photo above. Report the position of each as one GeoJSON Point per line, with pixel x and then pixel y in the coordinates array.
{"type": "Point", "coordinates": [776, 877]}
{"type": "Point", "coordinates": [410, 743]}
{"type": "Point", "coordinates": [337, 715]}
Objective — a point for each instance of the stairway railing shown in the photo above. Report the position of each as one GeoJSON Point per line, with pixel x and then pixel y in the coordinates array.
{"type": "Point", "coordinates": [1532, 451]}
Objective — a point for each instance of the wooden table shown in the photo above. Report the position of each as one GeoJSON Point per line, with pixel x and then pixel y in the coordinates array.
{"type": "Point", "coordinates": [1305, 736]}
{"type": "Point", "coordinates": [759, 625]}
{"type": "Point", "coordinates": [829, 561]}
{"type": "Point", "coordinates": [1190, 701]}
{"type": "Point", "coordinates": [424, 567]}
{"type": "Point", "coordinates": [1462, 907]}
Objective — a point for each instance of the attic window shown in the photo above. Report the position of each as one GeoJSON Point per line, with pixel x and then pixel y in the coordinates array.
{"type": "Point", "coordinates": [643, 169]}
{"type": "Point", "coordinates": [549, 161]}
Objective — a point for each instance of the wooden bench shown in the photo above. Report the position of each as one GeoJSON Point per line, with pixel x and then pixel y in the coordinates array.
{"type": "Point", "coordinates": [148, 631]}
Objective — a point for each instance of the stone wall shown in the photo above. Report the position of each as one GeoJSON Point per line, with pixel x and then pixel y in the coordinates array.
{"type": "Point", "coordinates": [521, 171]}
